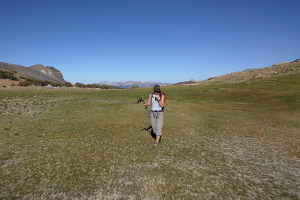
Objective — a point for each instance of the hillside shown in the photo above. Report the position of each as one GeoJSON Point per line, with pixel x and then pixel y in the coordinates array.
{"type": "Point", "coordinates": [275, 70]}
{"type": "Point", "coordinates": [39, 72]}
{"type": "Point", "coordinates": [190, 82]}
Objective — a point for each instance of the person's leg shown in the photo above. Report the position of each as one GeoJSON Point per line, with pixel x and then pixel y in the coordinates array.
{"type": "Point", "coordinates": [157, 139]}
{"type": "Point", "coordinates": [153, 121]}
{"type": "Point", "coordinates": [159, 125]}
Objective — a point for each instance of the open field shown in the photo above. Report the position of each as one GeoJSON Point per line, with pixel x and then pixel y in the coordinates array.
{"type": "Point", "coordinates": [229, 141]}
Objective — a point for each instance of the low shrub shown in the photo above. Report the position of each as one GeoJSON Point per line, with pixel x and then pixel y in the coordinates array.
{"type": "Point", "coordinates": [23, 83]}
{"type": "Point", "coordinates": [33, 81]}
{"type": "Point", "coordinates": [67, 84]}
{"type": "Point", "coordinates": [8, 75]}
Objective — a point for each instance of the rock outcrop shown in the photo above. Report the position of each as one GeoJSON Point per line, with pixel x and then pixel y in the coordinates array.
{"type": "Point", "coordinates": [38, 72]}
{"type": "Point", "coordinates": [49, 71]}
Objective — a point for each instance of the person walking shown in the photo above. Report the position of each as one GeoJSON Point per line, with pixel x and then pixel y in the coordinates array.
{"type": "Point", "coordinates": [157, 102]}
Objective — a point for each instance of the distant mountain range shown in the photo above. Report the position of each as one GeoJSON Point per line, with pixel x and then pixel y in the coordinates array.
{"type": "Point", "coordinates": [130, 84]}
{"type": "Point", "coordinates": [39, 72]}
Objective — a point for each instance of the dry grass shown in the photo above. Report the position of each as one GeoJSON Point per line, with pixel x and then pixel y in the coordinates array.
{"type": "Point", "coordinates": [220, 142]}
{"type": "Point", "coordinates": [7, 82]}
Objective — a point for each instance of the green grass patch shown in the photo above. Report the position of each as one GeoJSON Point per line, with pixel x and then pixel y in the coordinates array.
{"type": "Point", "coordinates": [221, 141]}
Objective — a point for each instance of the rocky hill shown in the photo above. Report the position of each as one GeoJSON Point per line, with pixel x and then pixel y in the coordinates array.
{"type": "Point", "coordinates": [258, 73]}
{"type": "Point", "coordinates": [39, 72]}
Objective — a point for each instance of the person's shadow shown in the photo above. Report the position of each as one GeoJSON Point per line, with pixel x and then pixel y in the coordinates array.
{"type": "Point", "coordinates": [153, 135]}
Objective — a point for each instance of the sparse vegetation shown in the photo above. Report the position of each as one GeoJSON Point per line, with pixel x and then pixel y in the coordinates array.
{"type": "Point", "coordinates": [8, 75]}
{"type": "Point", "coordinates": [258, 73]}
{"type": "Point", "coordinates": [221, 141]}
{"type": "Point", "coordinates": [67, 84]}
{"type": "Point", "coordinates": [33, 81]}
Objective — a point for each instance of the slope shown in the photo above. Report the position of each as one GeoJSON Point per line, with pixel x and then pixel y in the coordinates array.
{"type": "Point", "coordinates": [38, 72]}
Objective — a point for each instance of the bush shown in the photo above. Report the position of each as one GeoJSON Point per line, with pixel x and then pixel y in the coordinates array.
{"type": "Point", "coordinates": [67, 84]}
{"type": "Point", "coordinates": [33, 81]}
{"type": "Point", "coordinates": [81, 85]}
{"type": "Point", "coordinates": [8, 75]}
{"type": "Point", "coordinates": [23, 83]}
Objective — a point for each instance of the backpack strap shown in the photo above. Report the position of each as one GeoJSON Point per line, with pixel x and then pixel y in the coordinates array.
{"type": "Point", "coordinates": [160, 95]}
{"type": "Point", "coordinates": [155, 98]}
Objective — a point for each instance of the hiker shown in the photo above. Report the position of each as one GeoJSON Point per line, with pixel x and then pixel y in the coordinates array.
{"type": "Point", "coordinates": [157, 101]}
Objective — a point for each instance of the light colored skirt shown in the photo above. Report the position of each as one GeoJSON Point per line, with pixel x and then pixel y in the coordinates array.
{"type": "Point", "coordinates": [157, 121]}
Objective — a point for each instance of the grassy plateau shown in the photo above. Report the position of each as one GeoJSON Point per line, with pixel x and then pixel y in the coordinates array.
{"type": "Point", "coordinates": [220, 141]}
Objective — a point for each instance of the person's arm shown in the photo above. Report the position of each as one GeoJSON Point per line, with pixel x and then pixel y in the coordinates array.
{"type": "Point", "coordinates": [162, 101]}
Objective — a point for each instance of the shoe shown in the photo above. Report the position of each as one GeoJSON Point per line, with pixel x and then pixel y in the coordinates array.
{"type": "Point", "coordinates": [156, 144]}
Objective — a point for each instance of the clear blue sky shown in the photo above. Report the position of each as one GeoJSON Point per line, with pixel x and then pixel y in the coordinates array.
{"type": "Point", "coordinates": [149, 40]}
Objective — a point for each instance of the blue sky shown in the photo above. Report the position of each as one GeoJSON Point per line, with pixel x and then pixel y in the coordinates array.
{"type": "Point", "coordinates": [148, 40]}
